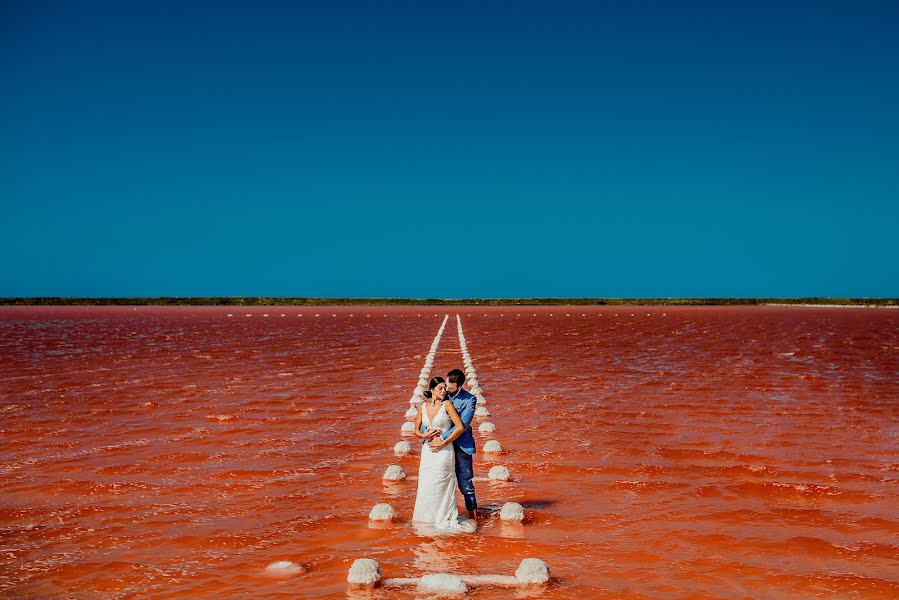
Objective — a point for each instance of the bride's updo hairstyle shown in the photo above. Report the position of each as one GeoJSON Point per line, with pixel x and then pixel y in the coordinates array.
{"type": "Point", "coordinates": [435, 381]}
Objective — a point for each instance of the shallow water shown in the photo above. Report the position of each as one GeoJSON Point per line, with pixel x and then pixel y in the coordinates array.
{"type": "Point", "coordinates": [676, 452]}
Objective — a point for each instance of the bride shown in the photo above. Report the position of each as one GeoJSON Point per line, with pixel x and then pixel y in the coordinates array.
{"type": "Point", "coordinates": [435, 502]}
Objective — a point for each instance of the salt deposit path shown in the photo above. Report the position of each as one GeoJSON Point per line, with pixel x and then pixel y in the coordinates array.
{"type": "Point", "coordinates": [658, 452]}
{"type": "Point", "coordinates": [366, 573]}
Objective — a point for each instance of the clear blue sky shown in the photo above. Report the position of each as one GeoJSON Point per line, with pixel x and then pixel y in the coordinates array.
{"type": "Point", "coordinates": [454, 149]}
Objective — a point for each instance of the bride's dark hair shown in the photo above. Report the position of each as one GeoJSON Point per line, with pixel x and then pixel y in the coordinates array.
{"type": "Point", "coordinates": [435, 381]}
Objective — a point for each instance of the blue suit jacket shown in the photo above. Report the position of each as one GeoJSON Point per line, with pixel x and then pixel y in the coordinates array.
{"type": "Point", "coordinates": [465, 404]}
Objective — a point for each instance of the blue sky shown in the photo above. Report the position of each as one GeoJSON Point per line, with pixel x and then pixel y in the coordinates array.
{"type": "Point", "coordinates": [459, 149]}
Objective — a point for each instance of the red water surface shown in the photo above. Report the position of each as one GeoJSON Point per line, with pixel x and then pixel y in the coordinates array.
{"type": "Point", "coordinates": [730, 452]}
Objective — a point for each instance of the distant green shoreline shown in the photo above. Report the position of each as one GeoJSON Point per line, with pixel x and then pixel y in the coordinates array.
{"type": "Point", "coordinates": [249, 301]}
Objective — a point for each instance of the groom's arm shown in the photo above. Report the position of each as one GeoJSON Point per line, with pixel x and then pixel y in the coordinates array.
{"type": "Point", "coordinates": [465, 415]}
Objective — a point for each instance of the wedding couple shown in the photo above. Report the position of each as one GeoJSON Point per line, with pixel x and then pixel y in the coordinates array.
{"type": "Point", "coordinates": [444, 423]}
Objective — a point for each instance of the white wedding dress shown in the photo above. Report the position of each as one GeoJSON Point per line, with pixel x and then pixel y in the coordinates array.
{"type": "Point", "coordinates": [435, 502]}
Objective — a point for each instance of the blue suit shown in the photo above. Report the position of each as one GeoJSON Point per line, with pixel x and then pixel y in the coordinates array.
{"type": "Point", "coordinates": [463, 446]}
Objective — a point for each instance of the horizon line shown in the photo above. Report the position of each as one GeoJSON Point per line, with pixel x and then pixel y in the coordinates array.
{"type": "Point", "coordinates": [488, 301]}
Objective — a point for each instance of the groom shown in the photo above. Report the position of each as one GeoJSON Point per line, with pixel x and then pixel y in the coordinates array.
{"type": "Point", "coordinates": [465, 404]}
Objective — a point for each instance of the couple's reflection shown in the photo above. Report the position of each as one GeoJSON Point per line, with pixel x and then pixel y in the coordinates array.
{"type": "Point", "coordinates": [440, 555]}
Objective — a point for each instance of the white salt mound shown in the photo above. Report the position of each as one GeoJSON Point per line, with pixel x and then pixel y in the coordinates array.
{"type": "Point", "coordinates": [382, 512]}
{"type": "Point", "coordinates": [412, 412]}
{"type": "Point", "coordinates": [482, 412]}
{"type": "Point", "coordinates": [408, 427]}
{"type": "Point", "coordinates": [402, 448]}
{"type": "Point", "coordinates": [499, 473]}
{"type": "Point", "coordinates": [492, 447]}
{"type": "Point", "coordinates": [532, 571]}
{"type": "Point", "coordinates": [365, 572]}
{"type": "Point", "coordinates": [418, 390]}
{"type": "Point", "coordinates": [442, 584]}
{"type": "Point", "coordinates": [395, 473]}
{"type": "Point", "coordinates": [284, 568]}
{"type": "Point", "coordinates": [486, 427]}
{"type": "Point", "coordinates": [475, 389]}
{"type": "Point", "coordinates": [481, 400]}
{"type": "Point", "coordinates": [512, 511]}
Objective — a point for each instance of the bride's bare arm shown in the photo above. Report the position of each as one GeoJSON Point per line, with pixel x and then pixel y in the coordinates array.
{"type": "Point", "coordinates": [417, 431]}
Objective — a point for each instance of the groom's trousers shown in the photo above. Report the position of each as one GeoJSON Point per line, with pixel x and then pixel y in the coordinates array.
{"type": "Point", "coordinates": [465, 477]}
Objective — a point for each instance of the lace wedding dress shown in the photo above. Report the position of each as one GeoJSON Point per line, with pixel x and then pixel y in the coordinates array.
{"type": "Point", "coordinates": [435, 502]}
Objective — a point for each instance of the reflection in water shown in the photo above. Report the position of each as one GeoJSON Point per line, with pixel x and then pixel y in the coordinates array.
{"type": "Point", "coordinates": [440, 556]}
{"type": "Point", "coordinates": [511, 529]}
{"type": "Point", "coordinates": [176, 452]}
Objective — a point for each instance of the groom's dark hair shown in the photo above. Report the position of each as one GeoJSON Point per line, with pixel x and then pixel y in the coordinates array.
{"type": "Point", "coordinates": [456, 376]}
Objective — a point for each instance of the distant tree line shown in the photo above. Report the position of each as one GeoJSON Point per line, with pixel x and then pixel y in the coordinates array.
{"type": "Point", "coordinates": [265, 301]}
